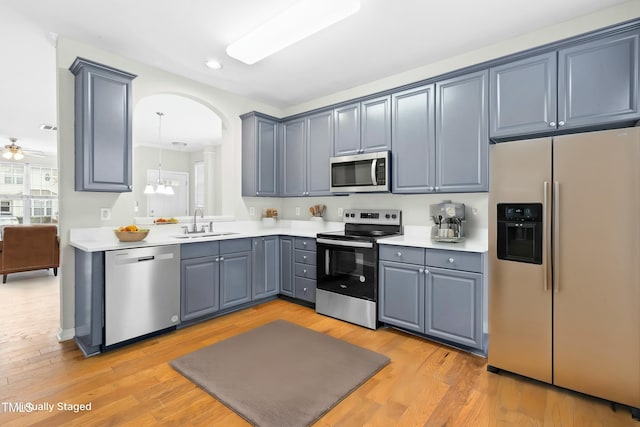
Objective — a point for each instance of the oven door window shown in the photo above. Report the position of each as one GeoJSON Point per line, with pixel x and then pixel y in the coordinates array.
{"type": "Point", "coordinates": [347, 271]}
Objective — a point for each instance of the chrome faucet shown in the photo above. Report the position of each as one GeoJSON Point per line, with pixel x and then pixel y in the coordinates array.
{"type": "Point", "coordinates": [195, 223]}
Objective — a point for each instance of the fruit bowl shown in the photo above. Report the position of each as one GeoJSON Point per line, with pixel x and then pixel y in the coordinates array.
{"type": "Point", "coordinates": [132, 236]}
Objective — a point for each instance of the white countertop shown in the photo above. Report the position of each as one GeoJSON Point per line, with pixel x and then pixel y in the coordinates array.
{"type": "Point", "coordinates": [103, 239]}
{"type": "Point", "coordinates": [420, 237]}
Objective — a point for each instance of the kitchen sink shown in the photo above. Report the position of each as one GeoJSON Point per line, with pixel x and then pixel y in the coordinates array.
{"type": "Point", "coordinates": [202, 235]}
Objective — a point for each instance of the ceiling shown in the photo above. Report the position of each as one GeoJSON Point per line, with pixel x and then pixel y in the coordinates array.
{"type": "Point", "coordinates": [384, 38]}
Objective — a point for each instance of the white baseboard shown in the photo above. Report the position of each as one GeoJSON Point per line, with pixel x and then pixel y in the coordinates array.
{"type": "Point", "coordinates": [66, 334]}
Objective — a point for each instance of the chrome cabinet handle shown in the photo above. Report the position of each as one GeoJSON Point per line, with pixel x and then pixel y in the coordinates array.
{"type": "Point", "coordinates": [304, 290]}
{"type": "Point", "coordinates": [421, 270]}
{"type": "Point", "coordinates": [304, 243]}
{"type": "Point", "coordinates": [221, 258]}
{"type": "Point", "coordinates": [451, 260]}
{"type": "Point", "coordinates": [560, 123]}
{"type": "Point", "coordinates": [304, 271]}
{"type": "Point", "coordinates": [426, 271]}
{"type": "Point", "coordinates": [436, 188]}
{"type": "Point", "coordinates": [217, 259]}
{"type": "Point", "coordinates": [552, 124]}
{"type": "Point", "coordinates": [304, 257]}
{"type": "Point", "coordinates": [399, 254]}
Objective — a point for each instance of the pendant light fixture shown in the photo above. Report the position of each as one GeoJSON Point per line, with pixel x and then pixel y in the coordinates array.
{"type": "Point", "coordinates": [13, 151]}
{"type": "Point", "coordinates": [161, 188]}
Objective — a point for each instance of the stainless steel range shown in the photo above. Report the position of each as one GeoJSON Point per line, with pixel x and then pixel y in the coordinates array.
{"type": "Point", "coordinates": [347, 263]}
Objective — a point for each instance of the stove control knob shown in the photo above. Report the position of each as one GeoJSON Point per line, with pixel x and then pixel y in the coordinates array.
{"type": "Point", "coordinates": [353, 215]}
{"type": "Point", "coordinates": [387, 216]}
{"type": "Point", "coordinates": [394, 216]}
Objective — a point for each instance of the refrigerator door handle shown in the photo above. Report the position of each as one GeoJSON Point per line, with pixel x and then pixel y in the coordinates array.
{"type": "Point", "coordinates": [556, 234]}
{"type": "Point", "coordinates": [546, 221]}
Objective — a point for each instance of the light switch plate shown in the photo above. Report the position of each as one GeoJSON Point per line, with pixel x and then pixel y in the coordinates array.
{"type": "Point", "coordinates": [340, 212]}
{"type": "Point", "coordinates": [297, 211]}
{"type": "Point", "coordinates": [252, 211]}
{"type": "Point", "coordinates": [105, 214]}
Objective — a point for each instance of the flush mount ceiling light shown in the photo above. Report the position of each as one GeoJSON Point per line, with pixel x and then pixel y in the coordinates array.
{"type": "Point", "coordinates": [301, 20]}
{"type": "Point", "coordinates": [13, 151]}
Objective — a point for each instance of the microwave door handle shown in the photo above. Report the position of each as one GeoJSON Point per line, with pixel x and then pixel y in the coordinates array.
{"type": "Point", "coordinates": [374, 179]}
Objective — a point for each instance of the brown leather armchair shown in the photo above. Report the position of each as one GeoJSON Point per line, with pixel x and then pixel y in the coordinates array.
{"type": "Point", "coordinates": [29, 247]}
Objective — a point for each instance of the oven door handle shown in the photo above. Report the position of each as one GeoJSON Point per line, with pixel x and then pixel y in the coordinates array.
{"type": "Point", "coordinates": [344, 243]}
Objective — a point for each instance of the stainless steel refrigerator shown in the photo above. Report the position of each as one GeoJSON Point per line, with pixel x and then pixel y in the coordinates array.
{"type": "Point", "coordinates": [570, 316]}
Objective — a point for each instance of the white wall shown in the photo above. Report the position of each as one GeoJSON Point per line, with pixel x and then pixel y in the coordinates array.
{"type": "Point", "coordinates": [82, 209]}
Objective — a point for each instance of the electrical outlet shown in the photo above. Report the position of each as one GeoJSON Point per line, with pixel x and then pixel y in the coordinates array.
{"type": "Point", "coordinates": [340, 212]}
{"type": "Point", "coordinates": [297, 211]}
{"type": "Point", "coordinates": [105, 214]}
{"type": "Point", "coordinates": [252, 211]}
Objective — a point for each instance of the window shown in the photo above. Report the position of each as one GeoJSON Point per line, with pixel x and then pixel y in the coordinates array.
{"type": "Point", "coordinates": [29, 193]}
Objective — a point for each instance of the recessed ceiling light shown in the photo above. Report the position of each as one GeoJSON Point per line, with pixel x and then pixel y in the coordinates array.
{"type": "Point", "coordinates": [213, 64]}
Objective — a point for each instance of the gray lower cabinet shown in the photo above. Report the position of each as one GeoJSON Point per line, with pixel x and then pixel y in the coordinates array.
{"type": "Point", "coordinates": [287, 266]}
{"type": "Point", "coordinates": [587, 85]}
{"type": "Point", "coordinates": [401, 296]}
{"type": "Point", "coordinates": [363, 127]}
{"type": "Point", "coordinates": [266, 266]}
{"type": "Point", "coordinates": [454, 306]}
{"type": "Point", "coordinates": [462, 133]}
{"type": "Point", "coordinates": [200, 287]}
{"type": "Point", "coordinates": [103, 117]}
{"type": "Point", "coordinates": [435, 292]}
{"type": "Point", "coordinates": [235, 272]}
{"type": "Point", "coordinates": [305, 269]}
{"type": "Point", "coordinates": [259, 155]}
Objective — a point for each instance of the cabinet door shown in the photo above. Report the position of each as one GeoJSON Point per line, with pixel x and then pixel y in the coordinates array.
{"type": "Point", "coordinates": [319, 146]}
{"type": "Point", "coordinates": [598, 81]}
{"type": "Point", "coordinates": [375, 125]}
{"type": "Point", "coordinates": [235, 279]}
{"type": "Point", "coordinates": [294, 158]}
{"type": "Point", "coordinates": [401, 299]}
{"type": "Point", "coordinates": [413, 158]}
{"type": "Point", "coordinates": [454, 306]}
{"type": "Point", "coordinates": [462, 133]}
{"type": "Point", "coordinates": [523, 96]}
{"type": "Point", "coordinates": [103, 116]}
{"type": "Point", "coordinates": [266, 266]}
{"type": "Point", "coordinates": [347, 130]}
{"type": "Point", "coordinates": [266, 158]}
{"type": "Point", "coordinates": [286, 266]}
{"type": "Point", "coordinates": [199, 287]}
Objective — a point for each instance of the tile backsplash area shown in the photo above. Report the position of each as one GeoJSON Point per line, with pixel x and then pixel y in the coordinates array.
{"type": "Point", "coordinates": [415, 207]}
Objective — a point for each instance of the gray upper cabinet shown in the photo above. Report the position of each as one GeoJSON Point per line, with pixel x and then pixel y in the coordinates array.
{"type": "Point", "coordinates": [294, 158]}
{"type": "Point", "coordinates": [523, 96]}
{"type": "Point", "coordinates": [103, 116]}
{"type": "Point", "coordinates": [306, 148]}
{"type": "Point", "coordinates": [588, 85]}
{"type": "Point", "coordinates": [413, 158]}
{"type": "Point", "coordinates": [462, 133]}
{"type": "Point", "coordinates": [259, 155]}
{"type": "Point", "coordinates": [363, 127]}
{"type": "Point", "coordinates": [319, 143]}
{"type": "Point", "coordinates": [598, 81]}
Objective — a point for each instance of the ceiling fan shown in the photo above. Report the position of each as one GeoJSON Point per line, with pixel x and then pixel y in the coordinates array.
{"type": "Point", "coordinates": [15, 152]}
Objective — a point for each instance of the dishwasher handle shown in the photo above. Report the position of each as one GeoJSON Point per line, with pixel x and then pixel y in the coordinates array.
{"type": "Point", "coordinates": [127, 258]}
{"type": "Point", "coordinates": [146, 258]}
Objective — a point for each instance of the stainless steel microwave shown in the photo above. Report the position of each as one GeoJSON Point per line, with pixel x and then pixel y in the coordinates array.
{"type": "Point", "coordinates": [361, 173]}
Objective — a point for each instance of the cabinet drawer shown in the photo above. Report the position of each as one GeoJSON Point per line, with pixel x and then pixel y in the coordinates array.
{"type": "Point", "coordinates": [466, 261]}
{"type": "Point", "coordinates": [305, 289]}
{"type": "Point", "coordinates": [305, 270]}
{"type": "Point", "coordinates": [305, 257]}
{"type": "Point", "coordinates": [402, 254]}
{"type": "Point", "coordinates": [237, 245]}
{"type": "Point", "coordinates": [198, 250]}
{"type": "Point", "coordinates": [308, 244]}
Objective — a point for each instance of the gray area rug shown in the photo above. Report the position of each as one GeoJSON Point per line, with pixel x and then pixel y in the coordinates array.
{"type": "Point", "coordinates": [280, 374]}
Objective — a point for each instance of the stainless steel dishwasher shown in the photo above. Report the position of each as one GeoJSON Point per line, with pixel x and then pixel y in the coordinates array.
{"type": "Point", "coordinates": [142, 292]}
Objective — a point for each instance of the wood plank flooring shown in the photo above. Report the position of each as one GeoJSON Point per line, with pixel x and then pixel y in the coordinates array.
{"type": "Point", "coordinates": [425, 383]}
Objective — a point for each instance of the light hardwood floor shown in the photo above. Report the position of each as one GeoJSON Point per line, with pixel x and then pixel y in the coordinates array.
{"type": "Point", "coordinates": [425, 383]}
